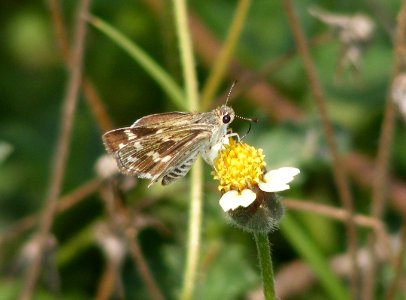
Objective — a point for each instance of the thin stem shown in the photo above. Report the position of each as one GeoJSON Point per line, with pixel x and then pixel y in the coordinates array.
{"type": "Point", "coordinates": [63, 203]}
{"type": "Point", "coordinates": [62, 151]}
{"type": "Point", "coordinates": [92, 97]}
{"type": "Point", "coordinates": [384, 150]}
{"type": "Point", "coordinates": [339, 172]}
{"type": "Point", "coordinates": [195, 212]}
{"type": "Point", "coordinates": [265, 263]}
{"type": "Point", "coordinates": [271, 101]}
{"type": "Point", "coordinates": [61, 155]}
{"type": "Point", "coordinates": [334, 213]}
{"type": "Point", "coordinates": [376, 225]}
{"type": "Point", "coordinates": [105, 288]}
{"type": "Point", "coordinates": [186, 54]}
{"type": "Point", "coordinates": [118, 211]}
{"type": "Point", "coordinates": [195, 220]}
{"type": "Point", "coordinates": [143, 269]}
{"type": "Point", "coordinates": [400, 262]}
{"type": "Point", "coordinates": [224, 58]}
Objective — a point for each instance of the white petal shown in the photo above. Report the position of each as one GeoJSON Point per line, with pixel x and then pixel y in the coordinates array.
{"type": "Point", "coordinates": [277, 180]}
{"type": "Point", "coordinates": [232, 199]}
{"type": "Point", "coordinates": [226, 201]}
{"type": "Point", "coordinates": [247, 197]}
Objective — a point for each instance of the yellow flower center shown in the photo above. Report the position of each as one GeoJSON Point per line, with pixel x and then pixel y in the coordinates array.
{"type": "Point", "coordinates": [238, 166]}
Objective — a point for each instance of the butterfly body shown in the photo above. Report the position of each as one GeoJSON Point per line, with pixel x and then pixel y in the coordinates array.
{"type": "Point", "coordinates": [164, 146]}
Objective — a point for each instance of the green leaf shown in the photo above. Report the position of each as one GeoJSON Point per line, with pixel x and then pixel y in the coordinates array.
{"type": "Point", "coordinates": [140, 56]}
{"type": "Point", "coordinates": [312, 254]}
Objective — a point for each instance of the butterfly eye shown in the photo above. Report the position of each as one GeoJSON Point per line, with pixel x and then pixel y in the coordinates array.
{"type": "Point", "coordinates": [226, 119]}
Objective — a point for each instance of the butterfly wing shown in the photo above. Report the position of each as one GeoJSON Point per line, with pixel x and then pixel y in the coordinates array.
{"type": "Point", "coordinates": [157, 152]}
{"type": "Point", "coordinates": [159, 119]}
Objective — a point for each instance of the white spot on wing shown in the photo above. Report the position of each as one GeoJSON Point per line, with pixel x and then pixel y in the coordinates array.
{"type": "Point", "coordinates": [154, 155]}
{"type": "Point", "coordinates": [166, 158]}
{"type": "Point", "coordinates": [145, 175]}
{"type": "Point", "coordinates": [121, 145]}
{"type": "Point", "coordinates": [131, 159]}
{"type": "Point", "coordinates": [137, 146]}
{"type": "Point", "coordinates": [130, 136]}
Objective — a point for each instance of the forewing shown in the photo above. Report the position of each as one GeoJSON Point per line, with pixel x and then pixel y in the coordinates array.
{"type": "Point", "coordinates": [163, 118]}
{"type": "Point", "coordinates": [153, 153]}
{"type": "Point", "coordinates": [117, 139]}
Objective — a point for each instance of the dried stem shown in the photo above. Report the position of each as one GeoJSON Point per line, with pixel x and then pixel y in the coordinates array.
{"type": "Point", "coordinates": [92, 98]}
{"type": "Point", "coordinates": [273, 102]}
{"type": "Point", "coordinates": [61, 155]}
{"type": "Point", "coordinates": [384, 148]}
{"type": "Point", "coordinates": [361, 168]}
{"type": "Point", "coordinates": [338, 169]}
{"type": "Point", "coordinates": [305, 278]}
{"type": "Point", "coordinates": [107, 281]}
{"type": "Point", "coordinates": [96, 105]}
{"type": "Point", "coordinates": [140, 262]}
{"type": "Point", "coordinates": [248, 79]}
{"type": "Point", "coordinates": [121, 217]}
{"type": "Point", "coordinates": [399, 274]}
{"type": "Point", "coordinates": [63, 203]}
{"type": "Point", "coordinates": [61, 35]}
{"type": "Point", "coordinates": [342, 215]}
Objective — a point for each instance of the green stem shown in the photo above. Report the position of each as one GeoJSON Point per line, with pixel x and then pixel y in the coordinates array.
{"type": "Point", "coordinates": [265, 262]}
{"type": "Point", "coordinates": [195, 212]}
{"type": "Point", "coordinates": [222, 62]}
{"type": "Point", "coordinates": [186, 54]}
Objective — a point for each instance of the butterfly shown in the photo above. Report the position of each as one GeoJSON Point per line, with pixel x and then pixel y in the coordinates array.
{"type": "Point", "coordinates": [163, 147]}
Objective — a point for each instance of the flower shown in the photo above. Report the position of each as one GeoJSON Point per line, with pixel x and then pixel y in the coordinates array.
{"type": "Point", "coordinates": [240, 169]}
{"type": "Point", "coordinates": [248, 190]}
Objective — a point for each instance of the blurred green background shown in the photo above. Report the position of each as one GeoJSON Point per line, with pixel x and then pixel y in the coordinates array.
{"type": "Point", "coordinates": [33, 80]}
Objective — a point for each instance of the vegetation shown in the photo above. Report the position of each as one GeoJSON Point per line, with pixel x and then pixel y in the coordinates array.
{"type": "Point", "coordinates": [327, 87]}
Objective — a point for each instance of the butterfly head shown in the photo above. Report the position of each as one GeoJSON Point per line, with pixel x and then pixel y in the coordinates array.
{"type": "Point", "coordinates": [226, 114]}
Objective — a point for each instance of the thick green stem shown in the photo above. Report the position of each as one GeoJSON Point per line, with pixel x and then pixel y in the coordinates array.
{"type": "Point", "coordinates": [265, 262]}
{"type": "Point", "coordinates": [195, 212]}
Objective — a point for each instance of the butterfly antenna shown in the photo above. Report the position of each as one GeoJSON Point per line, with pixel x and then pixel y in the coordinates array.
{"type": "Point", "coordinates": [250, 120]}
{"type": "Point", "coordinates": [230, 90]}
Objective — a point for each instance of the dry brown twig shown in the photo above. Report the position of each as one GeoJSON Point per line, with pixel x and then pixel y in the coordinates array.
{"type": "Point", "coordinates": [338, 168]}
{"type": "Point", "coordinates": [121, 219]}
{"type": "Point", "coordinates": [377, 226]}
{"type": "Point", "coordinates": [64, 203]}
{"type": "Point", "coordinates": [305, 277]}
{"type": "Point", "coordinates": [91, 96]}
{"type": "Point", "coordinates": [62, 152]}
{"type": "Point", "coordinates": [398, 278]}
{"type": "Point", "coordinates": [384, 149]}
